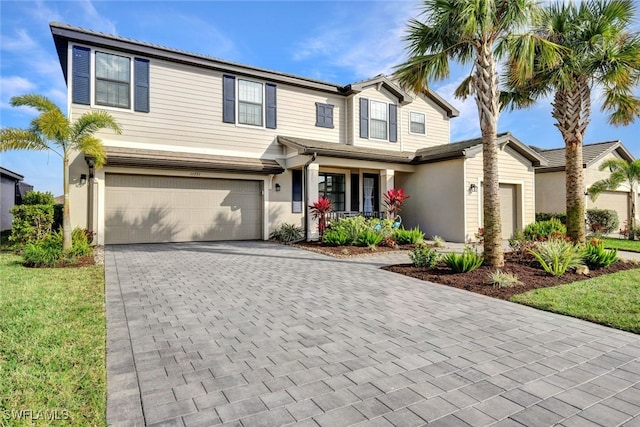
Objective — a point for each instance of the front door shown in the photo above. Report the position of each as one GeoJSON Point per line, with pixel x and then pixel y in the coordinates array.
{"type": "Point", "coordinates": [370, 190]}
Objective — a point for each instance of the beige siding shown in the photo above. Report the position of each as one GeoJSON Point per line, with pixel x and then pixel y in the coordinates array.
{"type": "Point", "coordinates": [551, 194]}
{"type": "Point", "coordinates": [513, 169]}
{"type": "Point", "coordinates": [280, 207]}
{"type": "Point", "coordinates": [437, 125]}
{"type": "Point", "coordinates": [437, 199]}
{"type": "Point", "coordinates": [186, 110]}
{"type": "Point", "coordinates": [437, 122]}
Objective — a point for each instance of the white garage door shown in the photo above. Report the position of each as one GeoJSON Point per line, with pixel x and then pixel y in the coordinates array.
{"type": "Point", "coordinates": [508, 209]}
{"type": "Point", "coordinates": [616, 200]}
{"type": "Point", "coordinates": [148, 209]}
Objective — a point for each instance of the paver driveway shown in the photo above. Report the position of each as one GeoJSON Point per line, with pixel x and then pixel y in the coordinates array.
{"type": "Point", "coordinates": [261, 334]}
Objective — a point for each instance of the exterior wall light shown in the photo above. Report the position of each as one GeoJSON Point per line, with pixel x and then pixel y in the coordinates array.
{"type": "Point", "coordinates": [83, 179]}
{"type": "Point", "coordinates": [473, 188]}
{"type": "Point", "coordinates": [278, 187]}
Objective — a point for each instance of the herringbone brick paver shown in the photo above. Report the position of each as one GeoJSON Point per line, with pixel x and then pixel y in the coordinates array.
{"type": "Point", "coordinates": [253, 333]}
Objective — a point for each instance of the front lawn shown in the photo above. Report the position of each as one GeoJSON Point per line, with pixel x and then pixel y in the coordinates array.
{"type": "Point", "coordinates": [622, 244]}
{"type": "Point", "coordinates": [52, 345]}
{"type": "Point", "coordinates": [612, 300]}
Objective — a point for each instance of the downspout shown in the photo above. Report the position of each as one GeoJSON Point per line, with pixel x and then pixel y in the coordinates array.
{"type": "Point", "coordinates": [306, 194]}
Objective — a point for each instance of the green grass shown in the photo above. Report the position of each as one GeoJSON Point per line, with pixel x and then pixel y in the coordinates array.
{"type": "Point", "coordinates": [611, 300]}
{"type": "Point", "coordinates": [622, 244]}
{"type": "Point", "coordinates": [52, 344]}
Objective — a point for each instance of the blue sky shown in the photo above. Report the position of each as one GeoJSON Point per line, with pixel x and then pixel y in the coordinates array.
{"type": "Point", "coordinates": [336, 41]}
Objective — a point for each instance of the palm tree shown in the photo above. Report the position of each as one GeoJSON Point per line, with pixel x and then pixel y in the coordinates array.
{"type": "Point", "coordinates": [600, 51]}
{"type": "Point", "coordinates": [479, 32]}
{"type": "Point", "coordinates": [52, 130]}
{"type": "Point", "coordinates": [622, 172]}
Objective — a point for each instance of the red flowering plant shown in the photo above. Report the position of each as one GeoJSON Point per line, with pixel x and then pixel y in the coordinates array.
{"type": "Point", "coordinates": [319, 211]}
{"type": "Point", "coordinates": [393, 201]}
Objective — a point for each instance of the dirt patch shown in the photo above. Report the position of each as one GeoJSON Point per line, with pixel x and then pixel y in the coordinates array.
{"type": "Point", "coordinates": [530, 276]}
{"type": "Point", "coordinates": [350, 251]}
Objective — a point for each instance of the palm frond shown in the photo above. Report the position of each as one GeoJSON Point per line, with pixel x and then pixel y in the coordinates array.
{"type": "Point", "coordinates": [22, 139]}
{"type": "Point", "coordinates": [91, 122]}
{"type": "Point", "coordinates": [39, 102]}
{"type": "Point", "coordinates": [417, 71]}
{"type": "Point", "coordinates": [92, 147]}
{"type": "Point", "coordinates": [465, 88]}
{"type": "Point", "coordinates": [52, 124]}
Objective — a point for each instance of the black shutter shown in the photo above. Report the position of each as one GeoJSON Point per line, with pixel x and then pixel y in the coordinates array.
{"type": "Point", "coordinates": [271, 121]}
{"type": "Point", "coordinates": [393, 123]}
{"type": "Point", "coordinates": [355, 192]}
{"type": "Point", "coordinates": [296, 191]}
{"type": "Point", "coordinates": [81, 90]}
{"type": "Point", "coordinates": [364, 118]}
{"type": "Point", "coordinates": [141, 89]}
{"type": "Point", "coordinates": [229, 99]}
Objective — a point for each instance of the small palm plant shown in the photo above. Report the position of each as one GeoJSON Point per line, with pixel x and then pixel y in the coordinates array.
{"type": "Point", "coordinates": [319, 211]}
{"type": "Point", "coordinates": [51, 130]}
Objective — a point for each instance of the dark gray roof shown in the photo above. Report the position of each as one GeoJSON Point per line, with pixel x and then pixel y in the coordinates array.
{"type": "Point", "coordinates": [591, 153]}
{"type": "Point", "coordinates": [117, 156]}
{"type": "Point", "coordinates": [471, 147]}
{"type": "Point", "coordinates": [10, 174]}
{"type": "Point", "coordinates": [332, 149]}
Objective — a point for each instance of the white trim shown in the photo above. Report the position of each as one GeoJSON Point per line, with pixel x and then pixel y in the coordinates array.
{"type": "Point", "coordinates": [264, 104]}
{"type": "Point", "coordinates": [425, 123]}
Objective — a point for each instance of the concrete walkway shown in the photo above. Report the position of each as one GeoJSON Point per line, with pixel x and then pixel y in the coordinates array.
{"type": "Point", "coordinates": [254, 333]}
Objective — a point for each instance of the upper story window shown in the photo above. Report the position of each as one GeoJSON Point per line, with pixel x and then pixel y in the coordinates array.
{"type": "Point", "coordinates": [417, 123]}
{"type": "Point", "coordinates": [253, 103]}
{"type": "Point", "coordinates": [249, 103]}
{"type": "Point", "coordinates": [113, 80]}
{"type": "Point", "coordinates": [378, 120]}
{"type": "Point", "coordinates": [105, 79]}
{"type": "Point", "coordinates": [324, 115]}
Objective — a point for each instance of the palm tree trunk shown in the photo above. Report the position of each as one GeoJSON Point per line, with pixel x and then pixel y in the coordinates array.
{"type": "Point", "coordinates": [66, 216]}
{"type": "Point", "coordinates": [487, 101]}
{"type": "Point", "coordinates": [571, 109]}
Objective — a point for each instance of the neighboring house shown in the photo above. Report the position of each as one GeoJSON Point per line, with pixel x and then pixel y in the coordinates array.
{"type": "Point", "coordinates": [12, 189]}
{"type": "Point", "coordinates": [213, 150]}
{"type": "Point", "coordinates": [550, 179]}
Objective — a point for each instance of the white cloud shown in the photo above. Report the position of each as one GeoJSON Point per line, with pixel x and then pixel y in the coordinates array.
{"type": "Point", "coordinates": [95, 20]}
{"type": "Point", "coordinates": [22, 42]}
{"type": "Point", "coordinates": [368, 43]}
{"type": "Point", "coordinates": [12, 86]}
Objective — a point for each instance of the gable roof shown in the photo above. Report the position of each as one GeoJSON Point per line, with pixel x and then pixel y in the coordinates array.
{"type": "Point", "coordinates": [471, 147]}
{"type": "Point", "coordinates": [332, 149]}
{"type": "Point", "coordinates": [402, 95]}
{"type": "Point", "coordinates": [591, 153]}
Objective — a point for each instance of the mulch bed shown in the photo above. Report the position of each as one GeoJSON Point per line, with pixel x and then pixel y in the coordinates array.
{"type": "Point", "coordinates": [530, 276]}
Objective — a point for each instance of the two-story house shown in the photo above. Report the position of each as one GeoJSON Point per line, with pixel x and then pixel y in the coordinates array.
{"type": "Point", "coordinates": [214, 150]}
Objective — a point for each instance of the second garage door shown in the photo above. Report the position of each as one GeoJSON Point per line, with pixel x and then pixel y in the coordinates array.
{"type": "Point", "coordinates": [149, 209]}
{"type": "Point", "coordinates": [508, 209]}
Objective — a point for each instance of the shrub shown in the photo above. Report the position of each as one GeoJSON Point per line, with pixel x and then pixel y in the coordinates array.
{"type": "Point", "coordinates": [388, 241]}
{"type": "Point", "coordinates": [603, 221]}
{"type": "Point", "coordinates": [368, 238]}
{"type": "Point", "coordinates": [438, 241]}
{"type": "Point", "coordinates": [287, 233]}
{"type": "Point", "coordinates": [393, 201]}
{"type": "Point", "coordinates": [38, 198]}
{"type": "Point", "coordinates": [544, 230]}
{"type": "Point", "coordinates": [465, 262]}
{"type": "Point", "coordinates": [31, 223]}
{"type": "Point", "coordinates": [319, 211]}
{"type": "Point", "coordinates": [44, 253]}
{"type": "Point", "coordinates": [556, 256]}
{"type": "Point", "coordinates": [625, 231]}
{"type": "Point", "coordinates": [80, 243]}
{"type": "Point", "coordinates": [596, 256]}
{"type": "Point", "coordinates": [57, 216]}
{"type": "Point", "coordinates": [500, 279]}
{"type": "Point", "coordinates": [405, 237]}
{"type": "Point", "coordinates": [424, 256]}
{"type": "Point", "coordinates": [546, 216]}
{"type": "Point", "coordinates": [352, 227]}
{"type": "Point", "coordinates": [336, 237]}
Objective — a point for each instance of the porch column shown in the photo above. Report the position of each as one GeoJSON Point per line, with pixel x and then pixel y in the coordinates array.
{"type": "Point", "coordinates": [387, 181]}
{"type": "Point", "coordinates": [312, 197]}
